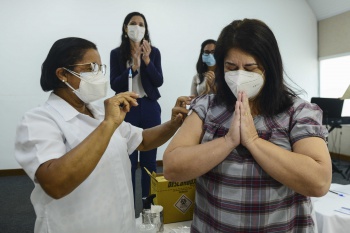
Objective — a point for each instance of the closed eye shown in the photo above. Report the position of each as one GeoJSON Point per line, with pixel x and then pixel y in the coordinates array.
{"type": "Point", "coordinates": [251, 67]}
{"type": "Point", "coordinates": [231, 66]}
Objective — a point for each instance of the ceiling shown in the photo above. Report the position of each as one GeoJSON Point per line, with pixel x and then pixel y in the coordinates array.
{"type": "Point", "coordinates": [324, 9]}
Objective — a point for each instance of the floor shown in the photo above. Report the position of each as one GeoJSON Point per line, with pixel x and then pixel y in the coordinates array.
{"type": "Point", "coordinates": [15, 206]}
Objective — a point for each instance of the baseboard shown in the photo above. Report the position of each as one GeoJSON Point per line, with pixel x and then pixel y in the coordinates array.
{"type": "Point", "coordinates": [159, 163]}
{"type": "Point", "coordinates": [21, 172]}
{"type": "Point", "coordinates": [12, 172]}
{"type": "Point", "coordinates": [340, 156]}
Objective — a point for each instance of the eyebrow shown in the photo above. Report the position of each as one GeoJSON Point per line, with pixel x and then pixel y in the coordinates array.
{"type": "Point", "coordinates": [136, 22]}
{"type": "Point", "coordinates": [249, 64]}
{"type": "Point", "coordinates": [208, 50]}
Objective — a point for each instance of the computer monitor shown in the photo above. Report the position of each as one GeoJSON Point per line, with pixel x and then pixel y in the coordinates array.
{"type": "Point", "coordinates": [331, 107]}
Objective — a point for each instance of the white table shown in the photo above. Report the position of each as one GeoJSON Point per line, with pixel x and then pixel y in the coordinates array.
{"type": "Point", "coordinates": [327, 219]}
{"type": "Point", "coordinates": [176, 227]}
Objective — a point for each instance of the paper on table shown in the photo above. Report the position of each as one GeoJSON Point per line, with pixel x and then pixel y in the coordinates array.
{"type": "Point", "coordinates": [343, 210]}
{"type": "Point", "coordinates": [346, 95]}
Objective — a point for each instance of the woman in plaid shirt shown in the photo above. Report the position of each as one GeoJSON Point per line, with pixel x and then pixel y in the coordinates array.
{"type": "Point", "coordinates": [258, 151]}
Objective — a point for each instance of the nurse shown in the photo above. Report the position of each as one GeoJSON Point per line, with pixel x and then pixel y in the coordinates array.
{"type": "Point", "coordinates": [77, 154]}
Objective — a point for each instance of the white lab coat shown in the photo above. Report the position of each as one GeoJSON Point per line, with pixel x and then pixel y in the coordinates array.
{"type": "Point", "coordinates": [103, 203]}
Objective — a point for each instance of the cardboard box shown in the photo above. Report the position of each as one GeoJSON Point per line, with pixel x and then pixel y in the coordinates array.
{"type": "Point", "coordinates": [177, 198]}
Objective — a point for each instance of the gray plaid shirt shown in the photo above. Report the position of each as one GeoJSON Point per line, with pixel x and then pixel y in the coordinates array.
{"type": "Point", "coordinates": [238, 195]}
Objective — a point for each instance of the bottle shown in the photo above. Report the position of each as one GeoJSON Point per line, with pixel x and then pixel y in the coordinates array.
{"type": "Point", "coordinates": [130, 80]}
{"type": "Point", "coordinates": [147, 225]}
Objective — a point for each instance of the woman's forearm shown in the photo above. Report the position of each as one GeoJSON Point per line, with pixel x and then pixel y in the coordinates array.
{"type": "Point", "coordinates": [157, 136]}
{"type": "Point", "coordinates": [189, 162]}
{"type": "Point", "coordinates": [307, 171]}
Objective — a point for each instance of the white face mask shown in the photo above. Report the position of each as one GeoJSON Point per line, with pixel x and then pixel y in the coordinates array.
{"type": "Point", "coordinates": [241, 80]}
{"type": "Point", "coordinates": [136, 33]}
{"type": "Point", "coordinates": [92, 86]}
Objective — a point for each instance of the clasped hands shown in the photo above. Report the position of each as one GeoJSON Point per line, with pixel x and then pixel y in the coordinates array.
{"type": "Point", "coordinates": [210, 76]}
{"type": "Point", "coordinates": [242, 129]}
{"type": "Point", "coordinates": [144, 49]}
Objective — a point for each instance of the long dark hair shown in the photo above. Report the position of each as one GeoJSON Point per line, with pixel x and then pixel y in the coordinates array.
{"type": "Point", "coordinates": [125, 44]}
{"type": "Point", "coordinates": [201, 67]}
{"type": "Point", "coordinates": [255, 38]}
{"type": "Point", "coordinates": [64, 52]}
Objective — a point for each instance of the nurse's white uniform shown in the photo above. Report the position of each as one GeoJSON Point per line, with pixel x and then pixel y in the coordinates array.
{"type": "Point", "coordinates": [103, 203]}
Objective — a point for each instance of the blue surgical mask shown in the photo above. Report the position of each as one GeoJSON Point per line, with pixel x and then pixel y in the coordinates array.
{"type": "Point", "coordinates": [208, 59]}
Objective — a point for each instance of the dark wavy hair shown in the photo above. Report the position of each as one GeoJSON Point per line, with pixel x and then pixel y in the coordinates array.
{"type": "Point", "coordinates": [201, 67]}
{"type": "Point", "coordinates": [64, 52]}
{"type": "Point", "coordinates": [125, 44]}
{"type": "Point", "coordinates": [255, 38]}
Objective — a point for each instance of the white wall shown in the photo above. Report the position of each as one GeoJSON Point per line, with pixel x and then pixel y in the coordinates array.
{"type": "Point", "coordinates": [339, 140]}
{"type": "Point", "coordinates": [333, 37]}
{"type": "Point", "coordinates": [177, 28]}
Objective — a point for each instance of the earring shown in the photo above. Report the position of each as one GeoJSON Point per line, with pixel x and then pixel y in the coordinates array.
{"type": "Point", "coordinates": [126, 36]}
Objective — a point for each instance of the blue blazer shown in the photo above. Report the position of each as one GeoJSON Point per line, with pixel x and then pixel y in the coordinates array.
{"type": "Point", "coordinates": [151, 75]}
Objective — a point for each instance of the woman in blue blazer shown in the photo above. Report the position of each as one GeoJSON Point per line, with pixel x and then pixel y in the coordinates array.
{"type": "Point", "coordinates": [137, 59]}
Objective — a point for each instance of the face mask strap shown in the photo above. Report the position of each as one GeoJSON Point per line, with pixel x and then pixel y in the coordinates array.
{"type": "Point", "coordinates": [72, 72]}
{"type": "Point", "coordinates": [65, 82]}
{"type": "Point", "coordinates": [80, 76]}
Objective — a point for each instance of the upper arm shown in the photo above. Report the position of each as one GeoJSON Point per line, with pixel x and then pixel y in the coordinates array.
{"type": "Point", "coordinates": [153, 71]}
{"type": "Point", "coordinates": [189, 134]}
{"type": "Point", "coordinates": [157, 60]}
{"type": "Point", "coordinates": [318, 151]}
{"type": "Point", "coordinates": [307, 129]}
{"type": "Point", "coordinates": [38, 140]}
{"type": "Point", "coordinates": [118, 72]}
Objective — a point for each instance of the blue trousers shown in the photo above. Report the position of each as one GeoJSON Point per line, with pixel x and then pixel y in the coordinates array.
{"type": "Point", "coordinates": [145, 115]}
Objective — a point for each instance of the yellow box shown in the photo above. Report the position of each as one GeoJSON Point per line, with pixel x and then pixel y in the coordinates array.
{"type": "Point", "coordinates": [177, 198]}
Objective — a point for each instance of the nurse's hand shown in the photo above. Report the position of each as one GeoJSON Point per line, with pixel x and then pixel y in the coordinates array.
{"type": "Point", "coordinates": [117, 106]}
{"type": "Point", "coordinates": [179, 111]}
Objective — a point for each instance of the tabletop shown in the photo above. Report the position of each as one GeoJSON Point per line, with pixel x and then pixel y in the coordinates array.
{"type": "Point", "coordinates": [333, 210]}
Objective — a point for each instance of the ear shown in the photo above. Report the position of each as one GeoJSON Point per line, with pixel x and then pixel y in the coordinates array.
{"type": "Point", "coordinates": [61, 74]}
{"type": "Point", "coordinates": [126, 29]}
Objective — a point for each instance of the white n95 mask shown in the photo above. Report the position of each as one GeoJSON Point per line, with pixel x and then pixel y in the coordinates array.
{"type": "Point", "coordinates": [241, 80]}
{"type": "Point", "coordinates": [92, 86]}
{"type": "Point", "coordinates": [136, 33]}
